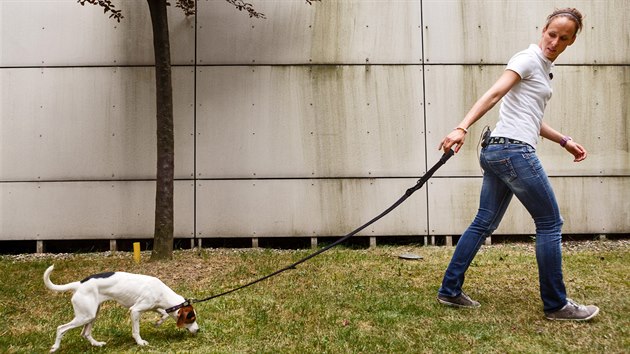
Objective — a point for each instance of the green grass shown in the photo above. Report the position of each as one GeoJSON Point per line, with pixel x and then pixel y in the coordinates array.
{"type": "Point", "coordinates": [343, 301]}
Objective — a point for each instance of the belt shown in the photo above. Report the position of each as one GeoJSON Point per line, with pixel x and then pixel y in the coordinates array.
{"type": "Point", "coordinates": [501, 140]}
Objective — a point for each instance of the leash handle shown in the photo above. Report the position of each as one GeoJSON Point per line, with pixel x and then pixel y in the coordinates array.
{"type": "Point", "coordinates": [446, 156]}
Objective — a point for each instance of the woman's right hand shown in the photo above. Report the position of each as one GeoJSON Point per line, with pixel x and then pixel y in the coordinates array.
{"type": "Point", "coordinates": [455, 138]}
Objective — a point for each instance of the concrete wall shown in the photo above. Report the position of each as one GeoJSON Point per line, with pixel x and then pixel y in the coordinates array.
{"type": "Point", "coordinates": [308, 123]}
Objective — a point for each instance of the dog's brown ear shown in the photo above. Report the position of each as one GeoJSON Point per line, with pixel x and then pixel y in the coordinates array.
{"type": "Point", "coordinates": [181, 317]}
{"type": "Point", "coordinates": [186, 315]}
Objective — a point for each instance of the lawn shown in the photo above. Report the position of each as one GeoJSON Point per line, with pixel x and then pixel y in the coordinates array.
{"type": "Point", "coordinates": [343, 301]}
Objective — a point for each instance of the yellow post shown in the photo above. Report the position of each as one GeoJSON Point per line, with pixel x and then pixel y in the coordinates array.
{"type": "Point", "coordinates": [136, 251]}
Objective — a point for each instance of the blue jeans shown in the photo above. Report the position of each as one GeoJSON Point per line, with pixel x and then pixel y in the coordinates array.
{"type": "Point", "coordinates": [514, 169]}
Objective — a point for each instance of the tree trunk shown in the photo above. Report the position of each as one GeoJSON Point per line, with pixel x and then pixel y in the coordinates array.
{"type": "Point", "coordinates": [163, 235]}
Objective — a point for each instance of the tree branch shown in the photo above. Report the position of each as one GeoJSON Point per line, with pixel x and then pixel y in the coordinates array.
{"type": "Point", "coordinates": [242, 5]}
{"type": "Point", "coordinates": [107, 7]}
{"type": "Point", "coordinates": [188, 6]}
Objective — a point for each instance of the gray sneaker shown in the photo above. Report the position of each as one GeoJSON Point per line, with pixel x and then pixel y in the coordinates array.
{"type": "Point", "coordinates": [462, 300]}
{"type": "Point", "coordinates": [573, 311]}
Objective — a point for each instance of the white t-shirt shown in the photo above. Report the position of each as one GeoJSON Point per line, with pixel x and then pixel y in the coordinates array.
{"type": "Point", "coordinates": [522, 108]}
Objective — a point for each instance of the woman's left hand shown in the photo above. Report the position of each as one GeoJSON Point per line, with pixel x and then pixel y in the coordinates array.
{"type": "Point", "coordinates": [576, 150]}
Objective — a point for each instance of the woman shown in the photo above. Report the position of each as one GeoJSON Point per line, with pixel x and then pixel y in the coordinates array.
{"type": "Point", "coordinates": [512, 168]}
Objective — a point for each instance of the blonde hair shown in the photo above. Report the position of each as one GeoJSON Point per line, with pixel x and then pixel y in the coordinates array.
{"type": "Point", "coordinates": [571, 13]}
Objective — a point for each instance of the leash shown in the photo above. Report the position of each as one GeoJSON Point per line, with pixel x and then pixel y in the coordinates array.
{"type": "Point", "coordinates": [408, 193]}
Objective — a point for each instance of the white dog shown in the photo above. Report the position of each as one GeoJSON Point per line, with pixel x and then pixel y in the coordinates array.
{"type": "Point", "coordinates": [137, 292]}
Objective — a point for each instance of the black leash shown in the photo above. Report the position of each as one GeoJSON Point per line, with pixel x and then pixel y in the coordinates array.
{"type": "Point", "coordinates": [408, 193]}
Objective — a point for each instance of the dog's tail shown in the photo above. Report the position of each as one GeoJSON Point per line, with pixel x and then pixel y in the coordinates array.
{"type": "Point", "coordinates": [65, 287]}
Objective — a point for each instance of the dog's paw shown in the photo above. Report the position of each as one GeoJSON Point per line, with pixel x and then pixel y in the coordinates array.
{"type": "Point", "coordinates": [54, 349]}
{"type": "Point", "coordinates": [98, 344]}
{"type": "Point", "coordinates": [142, 342]}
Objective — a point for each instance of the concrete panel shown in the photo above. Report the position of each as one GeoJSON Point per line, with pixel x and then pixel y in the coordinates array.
{"type": "Point", "coordinates": [301, 121]}
{"type": "Point", "coordinates": [589, 205]}
{"type": "Point", "coordinates": [287, 122]}
{"type": "Point", "coordinates": [487, 31]}
{"type": "Point", "coordinates": [88, 210]}
{"type": "Point", "coordinates": [450, 93]}
{"type": "Point", "coordinates": [88, 123]}
{"type": "Point", "coordinates": [590, 103]}
{"type": "Point", "coordinates": [331, 207]}
{"type": "Point", "coordinates": [339, 32]}
{"type": "Point", "coordinates": [62, 32]}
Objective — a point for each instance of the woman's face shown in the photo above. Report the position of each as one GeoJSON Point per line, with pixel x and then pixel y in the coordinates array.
{"type": "Point", "coordinates": [557, 36]}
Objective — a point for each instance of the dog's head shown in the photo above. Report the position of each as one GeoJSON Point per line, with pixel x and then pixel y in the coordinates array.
{"type": "Point", "coordinates": [187, 318]}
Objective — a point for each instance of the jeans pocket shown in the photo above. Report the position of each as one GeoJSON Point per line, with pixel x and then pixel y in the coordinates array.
{"type": "Point", "coordinates": [534, 163]}
{"type": "Point", "coordinates": [503, 168]}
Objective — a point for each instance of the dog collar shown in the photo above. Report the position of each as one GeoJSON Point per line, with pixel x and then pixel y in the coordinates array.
{"type": "Point", "coordinates": [188, 302]}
